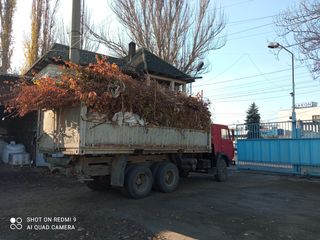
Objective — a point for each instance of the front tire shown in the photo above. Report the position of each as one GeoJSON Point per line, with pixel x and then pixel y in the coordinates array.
{"type": "Point", "coordinates": [221, 175]}
{"type": "Point", "coordinates": [138, 181]}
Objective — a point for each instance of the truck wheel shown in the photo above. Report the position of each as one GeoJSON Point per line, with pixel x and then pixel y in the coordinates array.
{"type": "Point", "coordinates": [167, 178]}
{"type": "Point", "coordinates": [221, 175]}
{"type": "Point", "coordinates": [99, 183]}
{"type": "Point", "coordinates": [138, 182]}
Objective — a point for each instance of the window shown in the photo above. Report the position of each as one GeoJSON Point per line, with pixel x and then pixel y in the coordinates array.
{"type": "Point", "coordinates": [224, 134]}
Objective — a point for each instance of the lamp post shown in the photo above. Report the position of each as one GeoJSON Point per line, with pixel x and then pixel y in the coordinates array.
{"type": "Point", "coordinates": [293, 117]}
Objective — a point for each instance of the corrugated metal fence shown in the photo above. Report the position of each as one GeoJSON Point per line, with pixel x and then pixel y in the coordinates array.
{"type": "Point", "coordinates": [269, 147]}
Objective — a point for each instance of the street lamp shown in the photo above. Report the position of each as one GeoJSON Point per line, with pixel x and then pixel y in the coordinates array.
{"type": "Point", "coordinates": [199, 67]}
{"type": "Point", "coordinates": [293, 117]}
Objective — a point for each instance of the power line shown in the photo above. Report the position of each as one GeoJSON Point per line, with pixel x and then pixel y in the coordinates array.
{"type": "Point", "coordinates": [235, 4]}
{"type": "Point", "coordinates": [248, 36]}
{"type": "Point", "coordinates": [238, 113]}
{"type": "Point", "coordinates": [250, 85]}
{"type": "Point", "coordinates": [247, 77]}
{"type": "Point", "coordinates": [245, 30]}
{"type": "Point", "coordinates": [229, 67]}
{"type": "Point", "coordinates": [260, 86]}
{"type": "Point", "coordinates": [256, 66]}
{"type": "Point", "coordinates": [262, 90]}
{"type": "Point", "coordinates": [249, 29]}
{"type": "Point", "coordinates": [258, 93]}
{"type": "Point", "coordinates": [264, 98]}
{"type": "Point", "coordinates": [250, 20]}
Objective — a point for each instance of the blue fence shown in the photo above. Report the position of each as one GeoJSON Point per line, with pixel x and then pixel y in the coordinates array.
{"type": "Point", "coordinates": [294, 156]}
{"type": "Point", "coordinates": [275, 147]}
{"type": "Point", "coordinates": [303, 129]}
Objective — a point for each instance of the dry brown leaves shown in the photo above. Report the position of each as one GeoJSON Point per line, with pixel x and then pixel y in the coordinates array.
{"type": "Point", "coordinates": [105, 89]}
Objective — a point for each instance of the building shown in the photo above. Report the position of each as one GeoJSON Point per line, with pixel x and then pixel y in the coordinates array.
{"type": "Point", "coordinates": [308, 120]}
{"type": "Point", "coordinates": [13, 128]}
{"type": "Point", "coordinates": [304, 111]}
{"type": "Point", "coordinates": [138, 63]}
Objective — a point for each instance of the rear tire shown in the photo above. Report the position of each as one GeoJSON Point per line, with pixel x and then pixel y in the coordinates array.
{"type": "Point", "coordinates": [99, 183]}
{"type": "Point", "coordinates": [222, 174]}
{"type": "Point", "coordinates": [138, 181]}
{"type": "Point", "coordinates": [167, 178]}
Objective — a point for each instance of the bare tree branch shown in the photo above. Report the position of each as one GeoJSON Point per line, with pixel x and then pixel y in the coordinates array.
{"type": "Point", "coordinates": [48, 25]}
{"type": "Point", "coordinates": [180, 33]}
{"type": "Point", "coordinates": [302, 24]}
{"type": "Point", "coordinates": [7, 9]}
{"type": "Point", "coordinates": [42, 30]}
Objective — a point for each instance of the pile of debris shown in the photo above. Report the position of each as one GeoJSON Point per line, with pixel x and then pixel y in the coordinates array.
{"type": "Point", "coordinates": [106, 90]}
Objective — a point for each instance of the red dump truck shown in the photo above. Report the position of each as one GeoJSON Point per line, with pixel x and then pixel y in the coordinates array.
{"type": "Point", "coordinates": [103, 154]}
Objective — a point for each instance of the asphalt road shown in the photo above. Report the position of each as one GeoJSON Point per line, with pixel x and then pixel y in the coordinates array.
{"type": "Point", "coordinates": [247, 206]}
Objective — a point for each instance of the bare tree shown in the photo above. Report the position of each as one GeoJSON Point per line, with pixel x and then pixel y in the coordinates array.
{"type": "Point", "coordinates": [48, 26]}
{"type": "Point", "coordinates": [86, 23]}
{"type": "Point", "coordinates": [32, 45]}
{"type": "Point", "coordinates": [7, 8]}
{"type": "Point", "coordinates": [42, 30]}
{"type": "Point", "coordinates": [302, 24]}
{"type": "Point", "coordinates": [181, 32]}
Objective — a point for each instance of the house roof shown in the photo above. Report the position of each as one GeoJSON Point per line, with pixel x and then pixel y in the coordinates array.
{"type": "Point", "coordinates": [147, 61]}
{"type": "Point", "coordinates": [61, 52]}
{"type": "Point", "coordinates": [142, 61]}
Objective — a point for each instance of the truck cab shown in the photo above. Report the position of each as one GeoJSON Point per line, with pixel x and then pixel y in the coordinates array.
{"type": "Point", "coordinates": [222, 141]}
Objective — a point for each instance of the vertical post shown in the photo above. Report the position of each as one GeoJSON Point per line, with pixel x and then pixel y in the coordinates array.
{"type": "Point", "coordinates": [184, 88]}
{"type": "Point", "coordinates": [172, 85]}
{"type": "Point", "coordinates": [75, 38]}
{"type": "Point", "coordinates": [293, 94]}
{"type": "Point", "coordinates": [293, 118]}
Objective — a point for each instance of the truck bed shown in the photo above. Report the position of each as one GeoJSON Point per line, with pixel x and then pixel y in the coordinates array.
{"type": "Point", "coordinates": [71, 130]}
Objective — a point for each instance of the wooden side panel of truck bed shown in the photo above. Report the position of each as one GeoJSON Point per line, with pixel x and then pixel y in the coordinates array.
{"type": "Point", "coordinates": [72, 132]}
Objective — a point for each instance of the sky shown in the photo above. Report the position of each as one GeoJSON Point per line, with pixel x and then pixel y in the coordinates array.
{"type": "Point", "coordinates": [244, 71]}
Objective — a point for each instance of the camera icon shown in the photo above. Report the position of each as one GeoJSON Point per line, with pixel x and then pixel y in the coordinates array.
{"type": "Point", "coordinates": [16, 223]}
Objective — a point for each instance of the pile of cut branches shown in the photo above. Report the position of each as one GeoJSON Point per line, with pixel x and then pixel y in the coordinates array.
{"type": "Point", "coordinates": [105, 89]}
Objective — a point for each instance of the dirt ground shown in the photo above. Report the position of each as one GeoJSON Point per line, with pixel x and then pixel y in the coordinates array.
{"type": "Point", "coordinates": [247, 206]}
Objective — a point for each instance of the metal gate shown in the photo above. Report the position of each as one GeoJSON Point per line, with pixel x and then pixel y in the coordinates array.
{"type": "Point", "coordinates": [269, 147]}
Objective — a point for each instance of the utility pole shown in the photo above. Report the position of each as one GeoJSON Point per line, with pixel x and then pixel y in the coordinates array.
{"type": "Point", "coordinates": [75, 38]}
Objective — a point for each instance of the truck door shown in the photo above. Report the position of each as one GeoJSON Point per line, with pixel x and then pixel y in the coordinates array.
{"type": "Point", "coordinates": [226, 142]}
